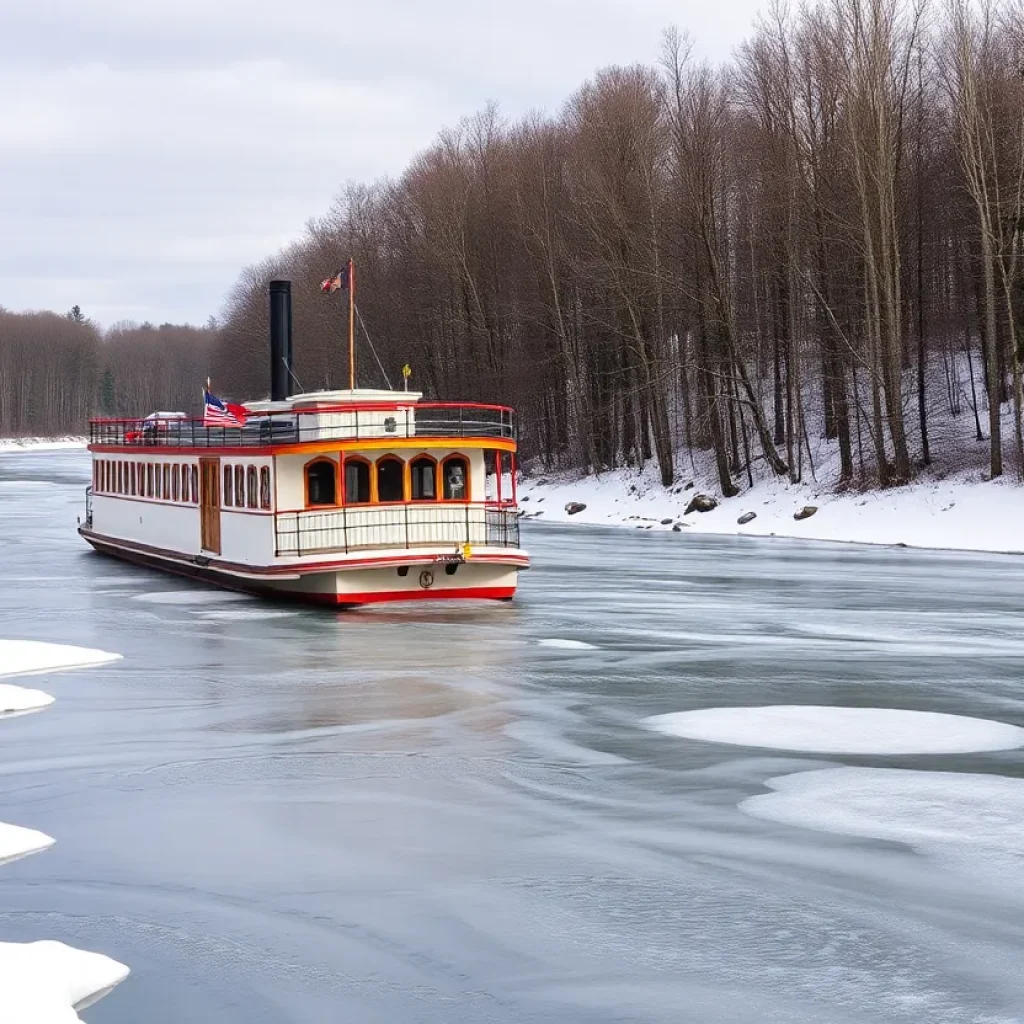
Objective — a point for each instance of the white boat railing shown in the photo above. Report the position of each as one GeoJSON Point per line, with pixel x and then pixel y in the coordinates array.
{"type": "Point", "coordinates": [396, 526]}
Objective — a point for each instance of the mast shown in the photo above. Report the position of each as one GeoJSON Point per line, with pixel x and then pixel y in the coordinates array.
{"type": "Point", "coordinates": [351, 325]}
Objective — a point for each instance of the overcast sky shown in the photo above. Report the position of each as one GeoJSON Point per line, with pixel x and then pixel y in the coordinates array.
{"type": "Point", "coordinates": [149, 149]}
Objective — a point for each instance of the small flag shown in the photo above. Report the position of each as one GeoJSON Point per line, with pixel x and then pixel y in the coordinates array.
{"type": "Point", "coordinates": [217, 413]}
{"type": "Point", "coordinates": [407, 371]}
{"type": "Point", "coordinates": [336, 283]}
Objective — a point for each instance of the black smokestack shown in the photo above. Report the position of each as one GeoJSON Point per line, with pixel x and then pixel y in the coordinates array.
{"type": "Point", "coordinates": [280, 340]}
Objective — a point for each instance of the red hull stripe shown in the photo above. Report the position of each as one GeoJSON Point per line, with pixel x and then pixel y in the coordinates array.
{"type": "Point", "coordinates": [212, 576]}
{"type": "Point", "coordinates": [455, 593]}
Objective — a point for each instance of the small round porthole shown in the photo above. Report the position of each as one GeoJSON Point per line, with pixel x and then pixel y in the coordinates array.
{"type": "Point", "coordinates": [451, 569]}
{"type": "Point", "coordinates": [403, 570]}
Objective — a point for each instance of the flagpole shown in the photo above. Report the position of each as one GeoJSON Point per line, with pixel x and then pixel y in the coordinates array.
{"type": "Point", "coordinates": [351, 326]}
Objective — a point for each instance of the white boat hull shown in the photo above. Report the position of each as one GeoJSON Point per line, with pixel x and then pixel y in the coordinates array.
{"type": "Point", "coordinates": [370, 579]}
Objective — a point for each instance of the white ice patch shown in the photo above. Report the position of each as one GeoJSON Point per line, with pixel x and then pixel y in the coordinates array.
{"type": "Point", "coordinates": [243, 615]}
{"type": "Point", "coordinates": [935, 812]}
{"type": "Point", "coordinates": [16, 842]}
{"type": "Point", "coordinates": [30, 657]}
{"type": "Point", "coordinates": [46, 982]}
{"type": "Point", "coordinates": [825, 730]}
{"type": "Point", "coordinates": [19, 700]}
{"type": "Point", "coordinates": [567, 645]}
{"type": "Point", "coordinates": [190, 597]}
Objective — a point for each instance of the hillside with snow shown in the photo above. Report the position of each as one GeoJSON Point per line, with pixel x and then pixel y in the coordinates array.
{"type": "Point", "coordinates": [952, 503]}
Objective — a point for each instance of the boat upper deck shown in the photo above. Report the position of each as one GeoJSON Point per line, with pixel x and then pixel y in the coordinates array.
{"type": "Point", "coordinates": [347, 421]}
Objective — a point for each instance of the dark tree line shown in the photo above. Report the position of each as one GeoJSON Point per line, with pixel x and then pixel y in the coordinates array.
{"type": "Point", "coordinates": [57, 371]}
{"type": "Point", "coordinates": [819, 240]}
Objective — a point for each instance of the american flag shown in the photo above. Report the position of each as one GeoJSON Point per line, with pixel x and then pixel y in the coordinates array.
{"type": "Point", "coordinates": [336, 283]}
{"type": "Point", "coordinates": [217, 413]}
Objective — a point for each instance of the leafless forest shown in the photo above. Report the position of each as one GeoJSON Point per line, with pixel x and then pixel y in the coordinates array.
{"type": "Point", "coordinates": [57, 371]}
{"type": "Point", "coordinates": [819, 240]}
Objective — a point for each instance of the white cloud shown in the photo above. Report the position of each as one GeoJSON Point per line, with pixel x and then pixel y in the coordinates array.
{"type": "Point", "coordinates": [149, 150]}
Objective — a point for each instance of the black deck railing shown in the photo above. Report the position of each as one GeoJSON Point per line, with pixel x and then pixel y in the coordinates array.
{"type": "Point", "coordinates": [337, 423]}
{"type": "Point", "coordinates": [396, 526]}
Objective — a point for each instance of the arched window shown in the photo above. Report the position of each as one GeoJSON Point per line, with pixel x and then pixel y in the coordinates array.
{"type": "Point", "coordinates": [240, 486]}
{"type": "Point", "coordinates": [195, 484]}
{"type": "Point", "coordinates": [251, 487]}
{"type": "Point", "coordinates": [176, 482]}
{"type": "Point", "coordinates": [390, 479]}
{"type": "Point", "coordinates": [321, 482]}
{"type": "Point", "coordinates": [120, 478]}
{"type": "Point", "coordinates": [357, 482]}
{"type": "Point", "coordinates": [229, 493]}
{"type": "Point", "coordinates": [265, 487]}
{"type": "Point", "coordinates": [424, 479]}
{"type": "Point", "coordinates": [184, 483]}
{"type": "Point", "coordinates": [167, 481]}
{"type": "Point", "coordinates": [455, 477]}
{"type": "Point", "coordinates": [150, 493]}
{"type": "Point", "coordinates": [131, 474]}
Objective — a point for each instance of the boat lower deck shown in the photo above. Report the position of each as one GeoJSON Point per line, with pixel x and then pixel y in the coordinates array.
{"type": "Point", "coordinates": [370, 579]}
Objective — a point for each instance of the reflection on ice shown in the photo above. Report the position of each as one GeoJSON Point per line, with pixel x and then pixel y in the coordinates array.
{"type": "Point", "coordinates": [828, 730]}
{"type": "Point", "coordinates": [942, 812]}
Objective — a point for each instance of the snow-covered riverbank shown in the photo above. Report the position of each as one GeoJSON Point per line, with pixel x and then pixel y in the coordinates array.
{"type": "Point", "coordinates": [963, 512]}
{"type": "Point", "coordinates": [40, 444]}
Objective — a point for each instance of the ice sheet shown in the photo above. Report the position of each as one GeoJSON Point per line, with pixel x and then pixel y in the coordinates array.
{"type": "Point", "coordinates": [190, 597]}
{"type": "Point", "coordinates": [30, 657]}
{"type": "Point", "coordinates": [18, 700]}
{"type": "Point", "coordinates": [16, 842]}
{"type": "Point", "coordinates": [840, 730]}
{"type": "Point", "coordinates": [46, 982]}
{"type": "Point", "coordinates": [945, 812]}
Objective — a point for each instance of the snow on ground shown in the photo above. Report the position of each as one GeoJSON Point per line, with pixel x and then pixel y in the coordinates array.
{"type": "Point", "coordinates": [30, 657]}
{"type": "Point", "coordinates": [836, 730]}
{"type": "Point", "coordinates": [16, 842]}
{"type": "Point", "coordinates": [567, 645]}
{"type": "Point", "coordinates": [18, 700]}
{"type": "Point", "coordinates": [40, 444]}
{"type": "Point", "coordinates": [959, 512]}
{"type": "Point", "coordinates": [46, 982]}
{"type": "Point", "coordinates": [962, 816]}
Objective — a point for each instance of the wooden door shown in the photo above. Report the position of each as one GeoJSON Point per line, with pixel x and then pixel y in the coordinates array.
{"type": "Point", "coordinates": [209, 504]}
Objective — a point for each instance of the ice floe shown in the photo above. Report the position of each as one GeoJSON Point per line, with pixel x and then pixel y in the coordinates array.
{"type": "Point", "coordinates": [16, 842]}
{"type": "Point", "coordinates": [30, 657]}
{"type": "Point", "coordinates": [47, 982]}
{"type": "Point", "coordinates": [567, 645]}
{"type": "Point", "coordinates": [190, 597]}
{"type": "Point", "coordinates": [840, 730]}
{"type": "Point", "coordinates": [935, 812]}
{"type": "Point", "coordinates": [19, 700]}
{"type": "Point", "coordinates": [244, 615]}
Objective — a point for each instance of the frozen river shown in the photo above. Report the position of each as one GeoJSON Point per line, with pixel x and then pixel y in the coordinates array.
{"type": "Point", "coordinates": [421, 814]}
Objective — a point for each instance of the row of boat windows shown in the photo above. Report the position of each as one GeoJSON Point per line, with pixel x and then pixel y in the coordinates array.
{"type": "Point", "coordinates": [243, 486]}
{"type": "Point", "coordinates": [160, 481]}
{"type": "Point", "coordinates": [384, 481]}
{"type": "Point", "coordinates": [364, 482]}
